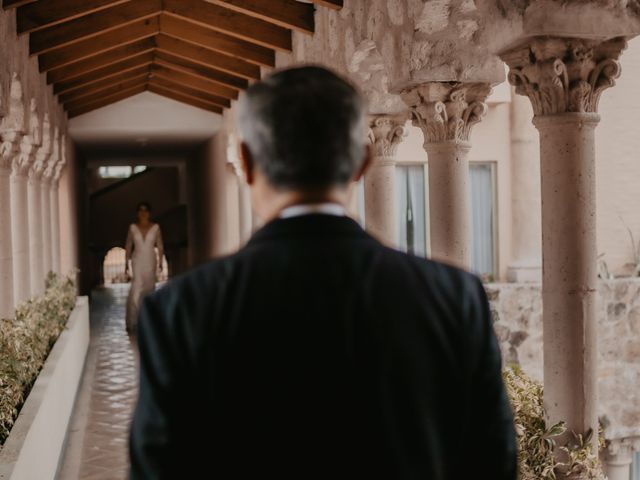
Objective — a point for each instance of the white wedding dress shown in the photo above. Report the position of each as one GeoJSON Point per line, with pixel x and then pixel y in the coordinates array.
{"type": "Point", "coordinates": [144, 263]}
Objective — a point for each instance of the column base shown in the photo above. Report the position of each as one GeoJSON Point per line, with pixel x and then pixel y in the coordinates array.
{"type": "Point", "coordinates": [524, 273]}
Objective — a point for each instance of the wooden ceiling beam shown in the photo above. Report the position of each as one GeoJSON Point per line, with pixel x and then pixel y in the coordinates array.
{"type": "Point", "coordinates": [191, 81]}
{"type": "Point", "coordinates": [105, 41]}
{"type": "Point", "coordinates": [192, 68]}
{"type": "Point", "coordinates": [7, 4]}
{"type": "Point", "coordinates": [75, 110]}
{"type": "Point", "coordinates": [46, 13]}
{"type": "Point", "coordinates": [143, 71]}
{"type": "Point", "coordinates": [207, 57]}
{"type": "Point", "coordinates": [101, 60]}
{"type": "Point", "coordinates": [333, 4]}
{"type": "Point", "coordinates": [192, 92]}
{"type": "Point", "coordinates": [93, 93]}
{"type": "Point", "coordinates": [285, 13]}
{"type": "Point", "coordinates": [231, 23]}
{"type": "Point", "coordinates": [205, 37]}
{"type": "Point", "coordinates": [93, 25]}
{"type": "Point", "coordinates": [180, 97]}
{"type": "Point", "coordinates": [109, 71]}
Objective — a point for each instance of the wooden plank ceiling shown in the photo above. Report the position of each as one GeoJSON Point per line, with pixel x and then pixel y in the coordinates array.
{"type": "Point", "coordinates": [199, 52]}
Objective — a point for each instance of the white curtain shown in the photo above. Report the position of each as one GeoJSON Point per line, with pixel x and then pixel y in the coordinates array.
{"type": "Point", "coordinates": [482, 216]}
{"type": "Point", "coordinates": [411, 209]}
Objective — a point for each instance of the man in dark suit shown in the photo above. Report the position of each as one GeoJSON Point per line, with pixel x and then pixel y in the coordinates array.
{"type": "Point", "coordinates": [315, 351]}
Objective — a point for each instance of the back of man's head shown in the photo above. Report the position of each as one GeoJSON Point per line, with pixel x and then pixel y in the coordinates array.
{"type": "Point", "coordinates": [304, 128]}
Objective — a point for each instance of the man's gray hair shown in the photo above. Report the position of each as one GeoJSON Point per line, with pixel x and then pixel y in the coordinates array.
{"type": "Point", "coordinates": [304, 127]}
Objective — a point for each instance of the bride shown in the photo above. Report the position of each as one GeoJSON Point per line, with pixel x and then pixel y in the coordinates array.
{"type": "Point", "coordinates": [143, 238]}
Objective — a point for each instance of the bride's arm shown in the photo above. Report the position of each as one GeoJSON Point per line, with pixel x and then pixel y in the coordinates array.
{"type": "Point", "coordinates": [160, 247]}
{"type": "Point", "coordinates": [128, 249]}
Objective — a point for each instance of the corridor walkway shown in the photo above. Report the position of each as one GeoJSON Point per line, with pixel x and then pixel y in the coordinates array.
{"type": "Point", "coordinates": [97, 447]}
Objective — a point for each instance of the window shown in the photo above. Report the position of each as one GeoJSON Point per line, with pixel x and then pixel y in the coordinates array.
{"type": "Point", "coordinates": [120, 171]}
{"type": "Point", "coordinates": [483, 257]}
{"type": "Point", "coordinates": [411, 215]}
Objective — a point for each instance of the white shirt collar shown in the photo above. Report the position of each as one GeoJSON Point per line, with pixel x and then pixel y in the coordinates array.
{"type": "Point", "coordinates": [313, 208]}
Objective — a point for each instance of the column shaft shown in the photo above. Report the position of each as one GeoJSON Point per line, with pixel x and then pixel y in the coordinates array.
{"type": "Point", "coordinates": [449, 209]}
{"type": "Point", "coordinates": [567, 153]}
{"type": "Point", "coordinates": [20, 238]}
{"type": "Point", "coordinates": [526, 265]}
{"type": "Point", "coordinates": [35, 236]}
{"type": "Point", "coordinates": [55, 227]}
{"type": "Point", "coordinates": [6, 251]}
{"type": "Point", "coordinates": [45, 210]}
{"type": "Point", "coordinates": [380, 200]}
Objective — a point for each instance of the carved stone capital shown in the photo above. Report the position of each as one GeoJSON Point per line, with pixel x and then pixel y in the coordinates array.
{"type": "Point", "coordinates": [446, 111]}
{"type": "Point", "coordinates": [12, 127]}
{"type": "Point", "coordinates": [620, 451]}
{"type": "Point", "coordinates": [564, 75]}
{"type": "Point", "coordinates": [385, 134]}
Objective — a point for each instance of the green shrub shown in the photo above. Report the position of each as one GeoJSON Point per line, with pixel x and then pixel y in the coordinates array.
{"type": "Point", "coordinates": [537, 441]}
{"type": "Point", "coordinates": [25, 342]}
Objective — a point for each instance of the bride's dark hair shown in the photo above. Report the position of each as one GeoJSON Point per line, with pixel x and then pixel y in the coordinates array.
{"type": "Point", "coordinates": [146, 205]}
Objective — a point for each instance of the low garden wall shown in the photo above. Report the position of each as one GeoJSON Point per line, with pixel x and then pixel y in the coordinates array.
{"type": "Point", "coordinates": [517, 314]}
{"type": "Point", "coordinates": [34, 447]}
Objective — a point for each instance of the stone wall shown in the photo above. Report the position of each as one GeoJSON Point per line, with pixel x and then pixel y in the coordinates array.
{"type": "Point", "coordinates": [517, 314]}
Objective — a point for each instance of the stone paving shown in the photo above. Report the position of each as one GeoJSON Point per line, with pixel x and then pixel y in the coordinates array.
{"type": "Point", "coordinates": [97, 444]}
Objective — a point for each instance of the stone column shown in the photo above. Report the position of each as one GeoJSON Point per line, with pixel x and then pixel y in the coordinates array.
{"type": "Point", "coordinates": [526, 265]}
{"type": "Point", "coordinates": [618, 457]}
{"type": "Point", "coordinates": [44, 157]}
{"type": "Point", "coordinates": [445, 112]}
{"type": "Point", "coordinates": [6, 252]}
{"type": "Point", "coordinates": [563, 78]}
{"type": "Point", "coordinates": [385, 134]}
{"type": "Point", "coordinates": [59, 150]}
{"type": "Point", "coordinates": [36, 256]}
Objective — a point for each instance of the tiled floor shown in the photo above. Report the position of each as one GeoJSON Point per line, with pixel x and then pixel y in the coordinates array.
{"type": "Point", "coordinates": [97, 444]}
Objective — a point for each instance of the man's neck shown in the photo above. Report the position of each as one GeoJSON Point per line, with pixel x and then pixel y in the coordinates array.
{"type": "Point", "coordinates": [280, 201]}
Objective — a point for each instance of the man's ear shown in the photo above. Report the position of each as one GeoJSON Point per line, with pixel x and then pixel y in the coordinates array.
{"type": "Point", "coordinates": [247, 163]}
{"type": "Point", "coordinates": [366, 163]}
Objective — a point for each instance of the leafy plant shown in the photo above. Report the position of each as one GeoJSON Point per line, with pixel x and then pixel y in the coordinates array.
{"type": "Point", "coordinates": [25, 343]}
{"type": "Point", "coordinates": [538, 443]}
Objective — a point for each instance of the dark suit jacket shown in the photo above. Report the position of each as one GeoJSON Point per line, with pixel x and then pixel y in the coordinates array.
{"type": "Point", "coordinates": [316, 352]}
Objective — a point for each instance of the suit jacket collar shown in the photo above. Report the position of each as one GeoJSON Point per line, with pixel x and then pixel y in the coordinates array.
{"type": "Point", "coordinates": [317, 225]}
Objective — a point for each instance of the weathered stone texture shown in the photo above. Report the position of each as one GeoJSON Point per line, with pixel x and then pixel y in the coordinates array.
{"type": "Point", "coordinates": [517, 314]}
{"type": "Point", "coordinates": [408, 42]}
{"type": "Point", "coordinates": [15, 59]}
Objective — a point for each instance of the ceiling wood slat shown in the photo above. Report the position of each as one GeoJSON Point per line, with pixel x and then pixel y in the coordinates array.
{"type": "Point", "coordinates": [207, 57]}
{"type": "Point", "coordinates": [191, 81]}
{"type": "Point", "coordinates": [232, 23]}
{"type": "Point", "coordinates": [101, 60]}
{"type": "Point", "coordinates": [101, 43]}
{"type": "Point", "coordinates": [180, 97]}
{"type": "Point", "coordinates": [134, 63]}
{"type": "Point", "coordinates": [93, 93]}
{"type": "Point", "coordinates": [7, 4]}
{"type": "Point", "coordinates": [197, 69]}
{"type": "Point", "coordinates": [205, 37]}
{"type": "Point", "coordinates": [285, 13]}
{"type": "Point", "coordinates": [143, 71]}
{"type": "Point", "coordinates": [92, 25]}
{"type": "Point", "coordinates": [46, 13]}
{"type": "Point", "coordinates": [81, 108]}
{"type": "Point", "coordinates": [192, 92]}
{"type": "Point", "coordinates": [333, 4]}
